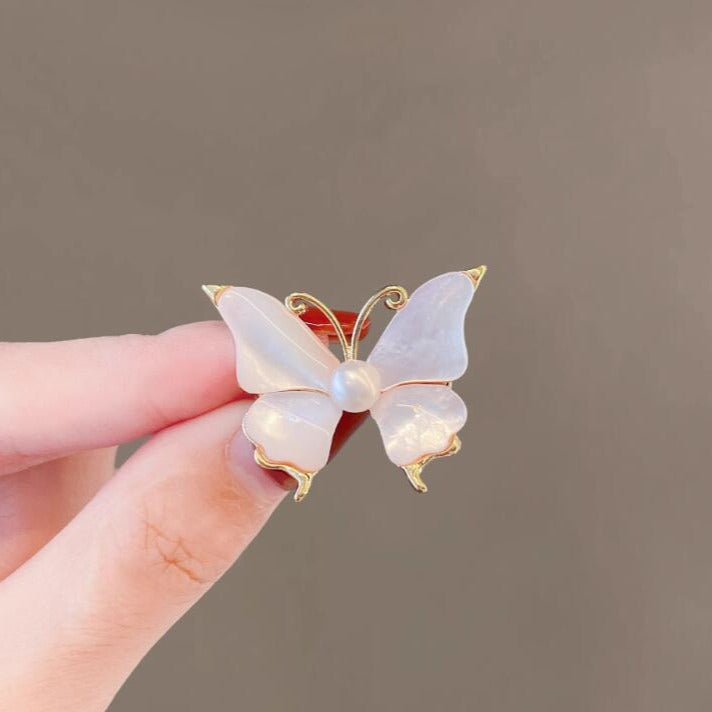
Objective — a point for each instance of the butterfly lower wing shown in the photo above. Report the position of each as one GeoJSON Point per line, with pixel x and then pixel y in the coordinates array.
{"type": "Point", "coordinates": [419, 422]}
{"type": "Point", "coordinates": [274, 349]}
{"type": "Point", "coordinates": [425, 340]}
{"type": "Point", "coordinates": [292, 431]}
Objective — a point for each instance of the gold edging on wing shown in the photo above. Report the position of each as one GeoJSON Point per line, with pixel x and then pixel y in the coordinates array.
{"type": "Point", "coordinates": [448, 384]}
{"type": "Point", "coordinates": [415, 469]}
{"type": "Point", "coordinates": [215, 291]}
{"type": "Point", "coordinates": [302, 477]}
{"type": "Point", "coordinates": [476, 274]}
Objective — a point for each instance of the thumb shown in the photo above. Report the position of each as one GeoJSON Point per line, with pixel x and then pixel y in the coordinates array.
{"type": "Point", "coordinates": [81, 614]}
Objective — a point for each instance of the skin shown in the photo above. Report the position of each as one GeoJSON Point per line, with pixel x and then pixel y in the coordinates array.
{"type": "Point", "coordinates": [97, 563]}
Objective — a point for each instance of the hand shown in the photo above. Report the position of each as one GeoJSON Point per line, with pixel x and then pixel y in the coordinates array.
{"type": "Point", "coordinates": [96, 563]}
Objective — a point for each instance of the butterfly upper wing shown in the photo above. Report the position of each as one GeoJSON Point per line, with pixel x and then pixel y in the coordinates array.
{"type": "Point", "coordinates": [275, 350]}
{"type": "Point", "coordinates": [425, 340]}
{"type": "Point", "coordinates": [418, 420]}
{"type": "Point", "coordinates": [292, 422]}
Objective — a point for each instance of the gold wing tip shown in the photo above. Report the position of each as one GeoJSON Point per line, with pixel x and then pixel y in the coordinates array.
{"type": "Point", "coordinates": [476, 273]}
{"type": "Point", "coordinates": [303, 485]}
{"type": "Point", "coordinates": [454, 448]}
{"type": "Point", "coordinates": [214, 291]}
{"type": "Point", "coordinates": [414, 471]}
{"type": "Point", "coordinates": [303, 478]}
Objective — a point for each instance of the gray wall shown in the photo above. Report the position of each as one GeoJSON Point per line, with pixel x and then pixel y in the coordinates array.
{"type": "Point", "coordinates": [561, 562]}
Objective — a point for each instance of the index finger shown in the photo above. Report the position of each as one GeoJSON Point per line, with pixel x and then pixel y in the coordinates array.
{"type": "Point", "coordinates": [61, 397]}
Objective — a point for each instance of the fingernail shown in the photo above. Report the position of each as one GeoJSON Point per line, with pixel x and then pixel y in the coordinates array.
{"type": "Point", "coordinates": [266, 484]}
{"type": "Point", "coordinates": [274, 484]}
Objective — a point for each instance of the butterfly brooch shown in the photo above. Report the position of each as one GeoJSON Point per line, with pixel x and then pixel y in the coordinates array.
{"type": "Point", "coordinates": [303, 389]}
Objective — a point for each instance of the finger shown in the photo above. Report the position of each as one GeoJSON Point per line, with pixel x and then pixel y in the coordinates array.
{"type": "Point", "coordinates": [67, 396]}
{"type": "Point", "coordinates": [151, 542]}
{"type": "Point", "coordinates": [35, 504]}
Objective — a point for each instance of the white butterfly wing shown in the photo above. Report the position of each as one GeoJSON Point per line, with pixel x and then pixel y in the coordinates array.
{"type": "Point", "coordinates": [418, 420]}
{"type": "Point", "coordinates": [293, 428]}
{"type": "Point", "coordinates": [425, 340]}
{"type": "Point", "coordinates": [275, 350]}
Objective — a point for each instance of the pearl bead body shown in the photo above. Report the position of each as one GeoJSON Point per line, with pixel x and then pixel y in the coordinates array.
{"type": "Point", "coordinates": [355, 386]}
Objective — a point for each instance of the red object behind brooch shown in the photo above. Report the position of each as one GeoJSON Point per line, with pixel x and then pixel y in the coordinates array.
{"type": "Point", "coordinates": [321, 326]}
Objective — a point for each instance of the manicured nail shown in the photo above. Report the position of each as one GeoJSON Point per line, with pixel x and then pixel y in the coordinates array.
{"type": "Point", "coordinates": [270, 484]}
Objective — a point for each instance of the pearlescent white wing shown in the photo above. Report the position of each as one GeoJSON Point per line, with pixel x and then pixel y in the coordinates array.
{"type": "Point", "coordinates": [425, 340]}
{"type": "Point", "coordinates": [418, 420]}
{"type": "Point", "coordinates": [293, 428]}
{"type": "Point", "coordinates": [275, 350]}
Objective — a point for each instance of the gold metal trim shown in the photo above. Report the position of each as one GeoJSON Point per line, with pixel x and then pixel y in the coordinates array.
{"type": "Point", "coordinates": [476, 274]}
{"type": "Point", "coordinates": [215, 291]}
{"type": "Point", "coordinates": [415, 469]}
{"type": "Point", "coordinates": [416, 383]}
{"type": "Point", "coordinates": [302, 477]}
{"type": "Point", "coordinates": [296, 303]}
{"type": "Point", "coordinates": [395, 298]}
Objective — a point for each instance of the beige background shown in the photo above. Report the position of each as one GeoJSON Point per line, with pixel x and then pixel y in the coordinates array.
{"type": "Point", "coordinates": [562, 562]}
